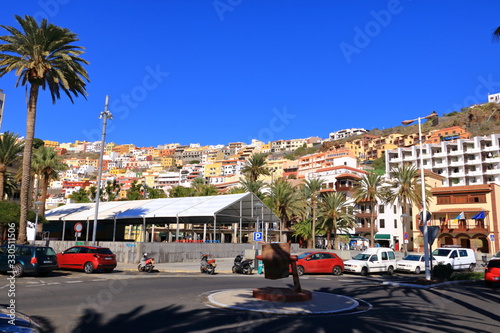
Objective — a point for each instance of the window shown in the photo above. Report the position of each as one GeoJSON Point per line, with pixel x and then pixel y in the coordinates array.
{"type": "Point", "coordinates": [381, 209]}
{"type": "Point", "coordinates": [382, 223]}
{"type": "Point", "coordinates": [392, 256]}
{"type": "Point", "coordinates": [395, 223]}
{"type": "Point", "coordinates": [384, 256]}
{"type": "Point", "coordinates": [462, 253]}
{"type": "Point", "coordinates": [394, 209]}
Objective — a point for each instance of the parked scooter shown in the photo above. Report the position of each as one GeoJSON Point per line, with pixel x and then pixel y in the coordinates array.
{"type": "Point", "coordinates": [146, 264]}
{"type": "Point", "coordinates": [242, 266]}
{"type": "Point", "coordinates": [207, 266]}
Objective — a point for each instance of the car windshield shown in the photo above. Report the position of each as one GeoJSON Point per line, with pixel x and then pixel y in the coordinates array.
{"type": "Point", "coordinates": [303, 255]}
{"type": "Point", "coordinates": [362, 256]}
{"type": "Point", "coordinates": [441, 252]}
{"type": "Point", "coordinates": [494, 263]}
{"type": "Point", "coordinates": [47, 251]}
{"type": "Point", "coordinates": [412, 257]}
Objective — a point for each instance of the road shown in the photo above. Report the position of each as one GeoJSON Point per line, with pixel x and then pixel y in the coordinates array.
{"type": "Point", "coordinates": [166, 302]}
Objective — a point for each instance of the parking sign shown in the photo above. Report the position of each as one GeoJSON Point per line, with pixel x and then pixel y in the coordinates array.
{"type": "Point", "coordinates": [257, 237]}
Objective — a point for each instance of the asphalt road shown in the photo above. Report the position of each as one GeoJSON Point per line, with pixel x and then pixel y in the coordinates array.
{"type": "Point", "coordinates": [166, 302]}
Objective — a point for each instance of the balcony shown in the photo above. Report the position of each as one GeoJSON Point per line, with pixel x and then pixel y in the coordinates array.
{"type": "Point", "coordinates": [364, 227]}
{"type": "Point", "coordinates": [454, 226]}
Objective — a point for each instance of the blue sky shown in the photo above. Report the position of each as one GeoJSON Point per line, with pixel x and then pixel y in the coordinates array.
{"type": "Point", "coordinates": [214, 72]}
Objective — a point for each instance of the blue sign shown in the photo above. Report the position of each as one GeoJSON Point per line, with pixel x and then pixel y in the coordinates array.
{"type": "Point", "coordinates": [257, 237]}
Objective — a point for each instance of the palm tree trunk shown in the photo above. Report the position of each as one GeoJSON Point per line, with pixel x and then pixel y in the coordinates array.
{"type": "Point", "coordinates": [313, 231]}
{"type": "Point", "coordinates": [26, 165]}
{"type": "Point", "coordinates": [328, 239]}
{"type": "Point", "coordinates": [372, 238]}
{"type": "Point", "coordinates": [2, 179]}
{"type": "Point", "coordinates": [45, 185]}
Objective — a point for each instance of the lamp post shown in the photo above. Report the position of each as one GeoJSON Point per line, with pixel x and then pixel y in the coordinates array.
{"type": "Point", "coordinates": [104, 115]}
{"type": "Point", "coordinates": [422, 182]}
{"type": "Point", "coordinates": [37, 204]}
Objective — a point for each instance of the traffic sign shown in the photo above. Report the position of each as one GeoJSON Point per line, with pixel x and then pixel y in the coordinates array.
{"type": "Point", "coordinates": [432, 232]}
{"type": "Point", "coordinates": [257, 237]}
{"type": "Point", "coordinates": [78, 227]}
{"type": "Point", "coordinates": [406, 235]}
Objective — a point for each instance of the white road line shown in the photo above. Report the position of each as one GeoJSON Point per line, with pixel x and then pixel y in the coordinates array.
{"type": "Point", "coordinates": [74, 281]}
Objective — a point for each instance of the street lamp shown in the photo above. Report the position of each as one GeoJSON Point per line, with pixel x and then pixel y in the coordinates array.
{"type": "Point", "coordinates": [422, 181]}
{"type": "Point", "coordinates": [104, 115]}
{"type": "Point", "coordinates": [37, 204]}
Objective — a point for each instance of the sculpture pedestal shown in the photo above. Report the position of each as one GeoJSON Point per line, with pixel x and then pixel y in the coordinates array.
{"type": "Point", "coordinates": [281, 295]}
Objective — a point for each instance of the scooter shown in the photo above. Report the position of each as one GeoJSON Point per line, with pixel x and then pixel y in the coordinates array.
{"type": "Point", "coordinates": [242, 266]}
{"type": "Point", "coordinates": [207, 266]}
{"type": "Point", "coordinates": [146, 264]}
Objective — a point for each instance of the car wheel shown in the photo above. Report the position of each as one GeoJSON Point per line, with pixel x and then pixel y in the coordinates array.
{"type": "Point", "coordinates": [390, 270]}
{"type": "Point", "coordinates": [300, 270]}
{"type": "Point", "coordinates": [337, 270]}
{"type": "Point", "coordinates": [417, 270]}
{"type": "Point", "coordinates": [471, 267]}
{"type": "Point", "coordinates": [364, 271]}
{"type": "Point", "coordinates": [18, 270]}
{"type": "Point", "coordinates": [88, 267]}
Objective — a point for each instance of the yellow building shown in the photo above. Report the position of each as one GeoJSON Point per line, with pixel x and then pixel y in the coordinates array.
{"type": "Point", "coordinates": [168, 162]}
{"type": "Point", "coordinates": [51, 144]}
{"type": "Point", "coordinates": [213, 169]}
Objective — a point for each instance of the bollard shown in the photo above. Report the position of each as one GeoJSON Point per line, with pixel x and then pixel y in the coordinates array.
{"type": "Point", "coordinates": [260, 267]}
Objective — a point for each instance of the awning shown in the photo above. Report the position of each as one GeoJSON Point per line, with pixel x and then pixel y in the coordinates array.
{"type": "Point", "coordinates": [383, 236]}
{"type": "Point", "coordinates": [478, 216]}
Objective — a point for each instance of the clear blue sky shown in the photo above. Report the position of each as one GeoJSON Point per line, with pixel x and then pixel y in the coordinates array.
{"type": "Point", "coordinates": [214, 72]}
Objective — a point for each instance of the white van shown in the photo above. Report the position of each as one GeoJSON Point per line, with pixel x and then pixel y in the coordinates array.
{"type": "Point", "coordinates": [456, 257]}
{"type": "Point", "coordinates": [373, 260]}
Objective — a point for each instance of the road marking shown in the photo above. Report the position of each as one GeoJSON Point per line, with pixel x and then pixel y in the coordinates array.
{"type": "Point", "coordinates": [323, 279]}
{"type": "Point", "coordinates": [73, 281]}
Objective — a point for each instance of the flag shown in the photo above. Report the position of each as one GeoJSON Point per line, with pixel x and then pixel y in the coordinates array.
{"type": "Point", "coordinates": [460, 216]}
{"type": "Point", "coordinates": [478, 216]}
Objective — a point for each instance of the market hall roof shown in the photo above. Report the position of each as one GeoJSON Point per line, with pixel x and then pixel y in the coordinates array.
{"type": "Point", "coordinates": [224, 208]}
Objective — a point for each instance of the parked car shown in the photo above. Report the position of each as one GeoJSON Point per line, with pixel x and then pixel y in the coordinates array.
{"type": "Point", "coordinates": [413, 263]}
{"type": "Point", "coordinates": [496, 256]}
{"type": "Point", "coordinates": [373, 260]}
{"type": "Point", "coordinates": [319, 262]}
{"type": "Point", "coordinates": [492, 272]}
{"type": "Point", "coordinates": [27, 259]}
{"type": "Point", "coordinates": [457, 257]}
{"type": "Point", "coordinates": [21, 323]}
{"type": "Point", "coordinates": [87, 258]}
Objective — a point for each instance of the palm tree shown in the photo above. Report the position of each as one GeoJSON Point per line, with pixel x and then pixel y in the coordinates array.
{"type": "Point", "coordinates": [10, 151]}
{"type": "Point", "coordinates": [285, 201]}
{"type": "Point", "coordinates": [496, 34]}
{"type": "Point", "coordinates": [404, 187]}
{"type": "Point", "coordinates": [255, 166]}
{"type": "Point", "coordinates": [336, 213]}
{"type": "Point", "coordinates": [312, 188]}
{"type": "Point", "coordinates": [369, 189]}
{"type": "Point", "coordinates": [256, 187]}
{"type": "Point", "coordinates": [112, 190]}
{"type": "Point", "coordinates": [41, 55]}
{"type": "Point", "coordinates": [46, 164]}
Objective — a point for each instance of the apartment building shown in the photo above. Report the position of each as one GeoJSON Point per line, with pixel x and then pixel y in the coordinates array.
{"type": "Point", "coordinates": [461, 162]}
{"type": "Point", "coordinates": [345, 133]}
{"type": "Point", "coordinates": [311, 163]}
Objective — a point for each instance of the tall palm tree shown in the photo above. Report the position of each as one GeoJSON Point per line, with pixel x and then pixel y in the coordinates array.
{"type": "Point", "coordinates": [285, 201]}
{"type": "Point", "coordinates": [256, 187]}
{"type": "Point", "coordinates": [370, 189]}
{"type": "Point", "coordinates": [41, 55]}
{"type": "Point", "coordinates": [311, 189]}
{"type": "Point", "coordinates": [46, 164]}
{"type": "Point", "coordinates": [112, 190]}
{"type": "Point", "coordinates": [10, 151]}
{"type": "Point", "coordinates": [404, 187]}
{"type": "Point", "coordinates": [255, 166]}
{"type": "Point", "coordinates": [336, 213]}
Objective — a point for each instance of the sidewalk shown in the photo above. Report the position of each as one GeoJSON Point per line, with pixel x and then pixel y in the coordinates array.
{"type": "Point", "coordinates": [224, 265]}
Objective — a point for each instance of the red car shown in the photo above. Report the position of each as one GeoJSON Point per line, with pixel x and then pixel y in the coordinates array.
{"type": "Point", "coordinates": [319, 262]}
{"type": "Point", "coordinates": [492, 272]}
{"type": "Point", "coordinates": [87, 258]}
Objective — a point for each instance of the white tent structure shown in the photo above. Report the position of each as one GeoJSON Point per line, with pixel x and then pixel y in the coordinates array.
{"type": "Point", "coordinates": [209, 211]}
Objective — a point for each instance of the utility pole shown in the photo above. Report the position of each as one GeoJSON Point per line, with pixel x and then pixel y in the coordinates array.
{"type": "Point", "coordinates": [104, 116]}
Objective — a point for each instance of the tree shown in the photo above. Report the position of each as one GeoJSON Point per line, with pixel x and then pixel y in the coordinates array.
{"type": "Point", "coordinates": [404, 187]}
{"type": "Point", "coordinates": [112, 190]}
{"type": "Point", "coordinates": [335, 210]}
{"type": "Point", "coordinates": [496, 34]}
{"type": "Point", "coordinates": [311, 192]}
{"type": "Point", "coordinates": [135, 192]}
{"type": "Point", "coordinates": [9, 214]}
{"type": "Point", "coordinates": [80, 196]}
{"type": "Point", "coordinates": [285, 201]}
{"type": "Point", "coordinates": [256, 187]}
{"type": "Point", "coordinates": [41, 55]}
{"type": "Point", "coordinates": [255, 166]}
{"type": "Point", "coordinates": [10, 151]}
{"type": "Point", "coordinates": [369, 189]}
{"type": "Point", "coordinates": [46, 164]}
{"type": "Point", "coordinates": [180, 191]}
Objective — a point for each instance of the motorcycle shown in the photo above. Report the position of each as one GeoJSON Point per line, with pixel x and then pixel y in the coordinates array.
{"type": "Point", "coordinates": [242, 266]}
{"type": "Point", "coordinates": [146, 264]}
{"type": "Point", "coordinates": [207, 266]}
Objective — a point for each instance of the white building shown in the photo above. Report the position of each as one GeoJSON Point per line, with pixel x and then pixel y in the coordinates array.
{"type": "Point", "coordinates": [344, 133]}
{"type": "Point", "coordinates": [462, 162]}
